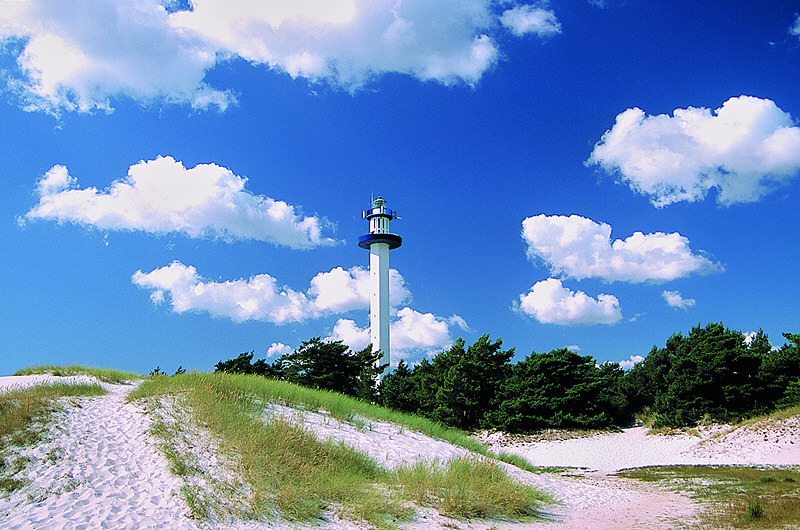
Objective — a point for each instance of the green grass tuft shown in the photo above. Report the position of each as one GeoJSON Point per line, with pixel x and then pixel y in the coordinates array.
{"type": "Point", "coordinates": [107, 375]}
{"type": "Point", "coordinates": [754, 510]}
{"type": "Point", "coordinates": [470, 488]}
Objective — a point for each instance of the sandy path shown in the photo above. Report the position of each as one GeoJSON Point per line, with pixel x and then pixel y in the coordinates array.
{"type": "Point", "coordinates": [97, 469]}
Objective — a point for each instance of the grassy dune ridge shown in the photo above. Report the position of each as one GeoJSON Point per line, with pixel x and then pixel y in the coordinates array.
{"type": "Point", "coordinates": [108, 375]}
{"type": "Point", "coordinates": [290, 470]}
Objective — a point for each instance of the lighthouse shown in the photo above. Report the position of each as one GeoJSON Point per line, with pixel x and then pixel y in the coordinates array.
{"type": "Point", "coordinates": [379, 242]}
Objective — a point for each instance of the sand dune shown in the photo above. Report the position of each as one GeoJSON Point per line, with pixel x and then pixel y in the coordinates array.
{"type": "Point", "coordinates": [98, 468]}
{"type": "Point", "coordinates": [768, 442]}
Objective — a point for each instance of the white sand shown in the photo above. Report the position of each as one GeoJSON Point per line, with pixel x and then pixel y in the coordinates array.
{"type": "Point", "coordinates": [390, 445]}
{"type": "Point", "coordinates": [763, 443]}
{"type": "Point", "coordinates": [98, 468]}
{"type": "Point", "coordinates": [11, 382]}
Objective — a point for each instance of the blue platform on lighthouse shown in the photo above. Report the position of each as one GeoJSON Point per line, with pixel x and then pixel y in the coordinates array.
{"type": "Point", "coordinates": [392, 240]}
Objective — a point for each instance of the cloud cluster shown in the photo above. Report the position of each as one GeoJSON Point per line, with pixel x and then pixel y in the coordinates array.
{"type": "Point", "coordinates": [75, 56]}
{"type": "Point", "coordinates": [579, 247]}
{"type": "Point", "coordinates": [412, 332]}
{"type": "Point", "coordinates": [676, 300]}
{"type": "Point", "coordinates": [632, 361]}
{"type": "Point", "coordinates": [261, 297]}
{"type": "Point", "coordinates": [277, 349]}
{"type": "Point", "coordinates": [161, 195]}
{"type": "Point", "coordinates": [744, 150]}
{"type": "Point", "coordinates": [550, 302]}
{"type": "Point", "coordinates": [334, 292]}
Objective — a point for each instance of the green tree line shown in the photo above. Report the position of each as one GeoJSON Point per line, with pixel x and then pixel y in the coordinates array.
{"type": "Point", "coordinates": [712, 373]}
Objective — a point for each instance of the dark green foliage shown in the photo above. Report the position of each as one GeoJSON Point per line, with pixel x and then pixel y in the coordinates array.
{"type": "Point", "coordinates": [332, 366]}
{"type": "Point", "coordinates": [760, 345]}
{"type": "Point", "coordinates": [791, 396]}
{"type": "Point", "coordinates": [712, 373]}
{"type": "Point", "coordinates": [243, 365]}
{"type": "Point", "coordinates": [556, 389]}
{"type": "Point", "coordinates": [460, 387]}
{"type": "Point", "coordinates": [469, 382]}
{"type": "Point", "coordinates": [611, 399]}
{"type": "Point", "coordinates": [779, 369]}
{"type": "Point", "coordinates": [647, 379]}
{"type": "Point", "coordinates": [316, 364]}
{"type": "Point", "coordinates": [398, 389]}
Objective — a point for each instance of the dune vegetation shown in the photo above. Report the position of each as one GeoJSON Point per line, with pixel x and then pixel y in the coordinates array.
{"type": "Point", "coordinates": [290, 471]}
{"type": "Point", "coordinates": [24, 415]}
{"type": "Point", "coordinates": [108, 375]}
{"type": "Point", "coordinates": [733, 496]}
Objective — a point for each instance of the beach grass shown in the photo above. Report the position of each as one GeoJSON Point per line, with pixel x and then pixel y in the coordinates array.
{"type": "Point", "coordinates": [24, 414]}
{"type": "Point", "coordinates": [734, 496]}
{"type": "Point", "coordinates": [469, 488]}
{"type": "Point", "coordinates": [288, 468]}
{"type": "Point", "coordinates": [777, 415]}
{"type": "Point", "coordinates": [108, 375]}
{"type": "Point", "coordinates": [19, 406]}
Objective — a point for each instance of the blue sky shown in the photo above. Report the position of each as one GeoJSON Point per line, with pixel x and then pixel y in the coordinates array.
{"type": "Point", "coordinates": [184, 182]}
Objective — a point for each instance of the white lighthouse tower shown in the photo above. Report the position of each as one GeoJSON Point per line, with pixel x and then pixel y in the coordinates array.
{"type": "Point", "coordinates": [379, 242]}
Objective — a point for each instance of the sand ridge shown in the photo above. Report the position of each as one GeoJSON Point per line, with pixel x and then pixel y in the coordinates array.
{"type": "Point", "coordinates": [98, 467]}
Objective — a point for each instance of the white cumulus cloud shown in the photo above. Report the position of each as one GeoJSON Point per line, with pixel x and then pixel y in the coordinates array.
{"type": "Point", "coordinates": [525, 19]}
{"type": "Point", "coordinates": [676, 300]}
{"type": "Point", "coordinates": [578, 247]}
{"type": "Point", "coordinates": [277, 349]}
{"type": "Point", "coordinates": [744, 150]}
{"type": "Point", "coordinates": [340, 290]}
{"type": "Point", "coordinates": [162, 196]}
{"type": "Point", "coordinates": [261, 297]}
{"type": "Point", "coordinates": [550, 302]}
{"type": "Point", "coordinates": [631, 362]}
{"type": "Point", "coordinates": [349, 333]}
{"type": "Point", "coordinates": [459, 321]}
{"type": "Point", "coordinates": [77, 56]}
{"type": "Point", "coordinates": [411, 332]}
